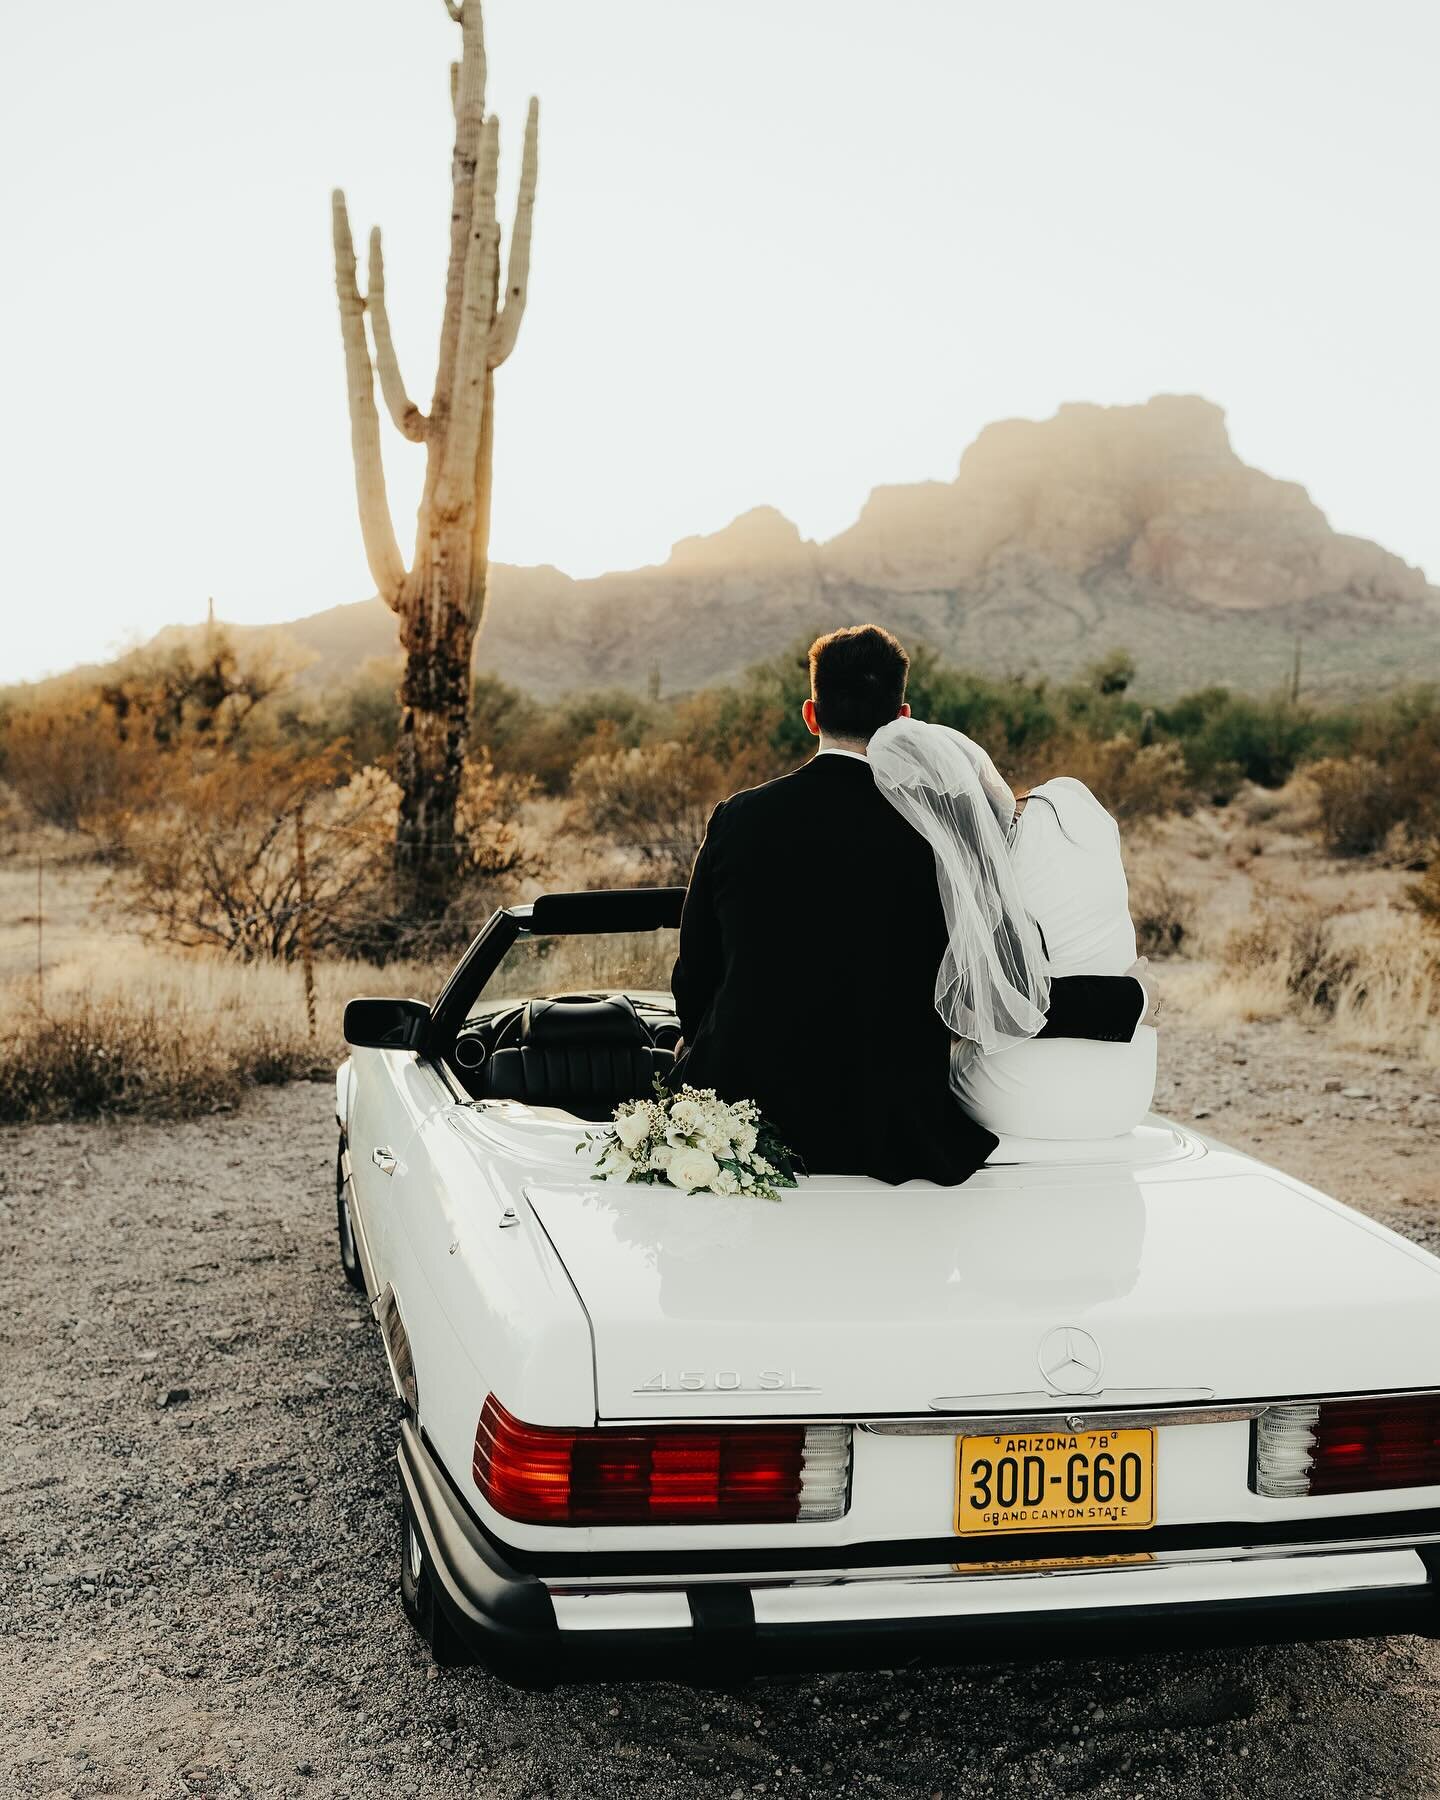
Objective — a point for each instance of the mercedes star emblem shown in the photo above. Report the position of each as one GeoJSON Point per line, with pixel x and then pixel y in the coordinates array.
{"type": "Point", "coordinates": [1070, 1360]}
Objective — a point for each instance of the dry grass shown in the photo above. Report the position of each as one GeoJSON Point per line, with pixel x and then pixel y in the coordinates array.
{"type": "Point", "coordinates": [1275, 927]}
{"type": "Point", "coordinates": [163, 1034]}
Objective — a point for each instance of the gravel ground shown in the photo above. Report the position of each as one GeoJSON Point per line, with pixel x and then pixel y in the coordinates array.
{"type": "Point", "coordinates": [199, 1520]}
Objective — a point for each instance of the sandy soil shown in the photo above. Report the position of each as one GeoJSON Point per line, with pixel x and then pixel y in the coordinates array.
{"type": "Point", "coordinates": [198, 1519]}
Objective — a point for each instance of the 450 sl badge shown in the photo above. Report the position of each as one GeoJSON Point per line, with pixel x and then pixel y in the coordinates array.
{"type": "Point", "coordinates": [725, 1381]}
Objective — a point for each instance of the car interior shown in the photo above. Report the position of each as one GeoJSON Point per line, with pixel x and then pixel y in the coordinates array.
{"type": "Point", "coordinates": [578, 1053]}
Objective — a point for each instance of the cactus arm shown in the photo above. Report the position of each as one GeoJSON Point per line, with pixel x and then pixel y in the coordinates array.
{"type": "Point", "coordinates": [479, 581]}
{"type": "Point", "coordinates": [381, 550]}
{"type": "Point", "coordinates": [477, 315]}
{"type": "Point", "coordinates": [468, 101]}
{"type": "Point", "coordinates": [456, 11]}
{"type": "Point", "coordinates": [517, 283]}
{"type": "Point", "coordinates": [407, 415]}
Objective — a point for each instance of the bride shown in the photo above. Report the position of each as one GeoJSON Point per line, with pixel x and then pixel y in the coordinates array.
{"type": "Point", "coordinates": [1030, 892]}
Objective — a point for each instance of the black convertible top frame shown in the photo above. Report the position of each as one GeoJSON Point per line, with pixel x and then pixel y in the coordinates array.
{"type": "Point", "coordinates": [551, 915]}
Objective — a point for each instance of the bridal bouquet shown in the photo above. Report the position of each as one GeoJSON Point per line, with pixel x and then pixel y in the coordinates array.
{"type": "Point", "coordinates": [694, 1142]}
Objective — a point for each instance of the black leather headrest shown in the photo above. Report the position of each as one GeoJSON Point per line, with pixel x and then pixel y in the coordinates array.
{"type": "Point", "coordinates": [582, 1021]}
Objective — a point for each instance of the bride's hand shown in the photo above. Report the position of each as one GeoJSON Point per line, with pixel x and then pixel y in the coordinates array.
{"type": "Point", "coordinates": [1140, 969]}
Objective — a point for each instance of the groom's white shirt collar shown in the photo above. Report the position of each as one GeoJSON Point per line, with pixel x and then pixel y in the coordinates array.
{"type": "Point", "coordinates": [835, 750]}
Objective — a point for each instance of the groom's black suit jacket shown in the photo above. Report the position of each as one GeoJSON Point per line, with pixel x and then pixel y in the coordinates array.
{"type": "Point", "coordinates": [809, 946]}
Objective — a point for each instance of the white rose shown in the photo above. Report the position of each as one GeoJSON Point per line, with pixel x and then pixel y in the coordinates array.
{"type": "Point", "coordinates": [691, 1169]}
{"type": "Point", "coordinates": [745, 1140]}
{"type": "Point", "coordinates": [726, 1182]}
{"type": "Point", "coordinates": [616, 1165]}
{"type": "Point", "coordinates": [659, 1157]}
{"type": "Point", "coordinates": [686, 1115]}
{"type": "Point", "coordinates": [631, 1129]}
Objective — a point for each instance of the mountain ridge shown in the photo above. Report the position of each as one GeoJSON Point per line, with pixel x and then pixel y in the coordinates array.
{"type": "Point", "coordinates": [1055, 540]}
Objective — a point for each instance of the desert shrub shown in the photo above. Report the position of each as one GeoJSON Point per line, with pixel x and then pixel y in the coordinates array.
{"type": "Point", "coordinates": [1229, 738]}
{"type": "Point", "coordinates": [198, 688]}
{"type": "Point", "coordinates": [1424, 895]}
{"type": "Point", "coordinates": [1163, 912]}
{"type": "Point", "coordinates": [216, 864]}
{"type": "Point", "coordinates": [1299, 944]}
{"type": "Point", "coordinates": [1357, 804]}
{"type": "Point", "coordinates": [545, 743]}
{"type": "Point", "coordinates": [737, 729]}
{"type": "Point", "coordinates": [66, 765]}
{"type": "Point", "coordinates": [1132, 780]}
{"type": "Point", "coordinates": [362, 714]}
{"type": "Point", "coordinates": [497, 853]}
{"type": "Point", "coordinates": [1013, 716]}
{"type": "Point", "coordinates": [654, 799]}
{"type": "Point", "coordinates": [107, 1056]}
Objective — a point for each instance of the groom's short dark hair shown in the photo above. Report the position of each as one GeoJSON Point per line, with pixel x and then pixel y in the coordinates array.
{"type": "Point", "coordinates": [857, 680]}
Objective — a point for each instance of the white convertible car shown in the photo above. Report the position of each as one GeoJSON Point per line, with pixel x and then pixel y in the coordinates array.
{"type": "Point", "coordinates": [1105, 1394]}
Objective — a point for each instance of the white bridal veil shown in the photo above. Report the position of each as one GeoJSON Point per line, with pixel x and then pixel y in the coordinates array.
{"type": "Point", "coordinates": [993, 986]}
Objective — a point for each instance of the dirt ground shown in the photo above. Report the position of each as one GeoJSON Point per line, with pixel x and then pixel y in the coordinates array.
{"type": "Point", "coordinates": [198, 1518]}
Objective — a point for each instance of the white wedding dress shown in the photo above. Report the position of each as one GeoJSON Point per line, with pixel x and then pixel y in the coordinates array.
{"type": "Point", "coordinates": [1065, 851]}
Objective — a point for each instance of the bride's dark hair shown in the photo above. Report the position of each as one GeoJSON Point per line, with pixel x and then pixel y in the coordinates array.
{"type": "Point", "coordinates": [857, 680]}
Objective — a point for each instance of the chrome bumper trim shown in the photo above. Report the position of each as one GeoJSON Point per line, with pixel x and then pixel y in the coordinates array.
{"type": "Point", "coordinates": [946, 1592]}
{"type": "Point", "coordinates": [1147, 1584]}
{"type": "Point", "coordinates": [1079, 1418]}
{"type": "Point", "coordinates": [1042, 1567]}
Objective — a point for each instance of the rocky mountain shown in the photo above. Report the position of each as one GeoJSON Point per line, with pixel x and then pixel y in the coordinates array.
{"type": "Point", "coordinates": [1105, 525]}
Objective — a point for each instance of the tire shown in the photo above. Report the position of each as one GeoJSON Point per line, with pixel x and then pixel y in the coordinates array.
{"type": "Point", "coordinates": [345, 1230]}
{"type": "Point", "coordinates": [417, 1594]}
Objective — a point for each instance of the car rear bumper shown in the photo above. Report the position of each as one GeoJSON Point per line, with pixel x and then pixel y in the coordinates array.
{"type": "Point", "coordinates": [709, 1626]}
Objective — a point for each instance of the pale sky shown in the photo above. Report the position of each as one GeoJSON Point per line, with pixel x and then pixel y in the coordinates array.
{"type": "Point", "coordinates": [784, 250]}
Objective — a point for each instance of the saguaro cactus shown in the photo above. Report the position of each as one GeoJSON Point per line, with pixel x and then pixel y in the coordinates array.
{"type": "Point", "coordinates": [440, 599]}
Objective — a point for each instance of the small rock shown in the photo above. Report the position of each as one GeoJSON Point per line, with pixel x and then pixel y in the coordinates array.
{"type": "Point", "coordinates": [1355, 1093]}
{"type": "Point", "coordinates": [175, 1396]}
{"type": "Point", "coordinates": [1201, 1112]}
{"type": "Point", "coordinates": [1332, 1086]}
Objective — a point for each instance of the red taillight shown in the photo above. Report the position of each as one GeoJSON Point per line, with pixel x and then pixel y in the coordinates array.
{"type": "Point", "coordinates": [1348, 1446]}
{"type": "Point", "coordinates": [1362, 1444]}
{"type": "Point", "coordinates": [660, 1475]}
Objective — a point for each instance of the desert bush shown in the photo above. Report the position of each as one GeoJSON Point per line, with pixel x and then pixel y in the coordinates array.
{"type": "Point", "coordinates": [1357, 804]}
{"type": "Point", "coordinates": [65, 763]}
{"type": "Point", "coordinates": [1299, 945]}
{"type": "Point", "coordinates": [1392, 998]}
{"type": "Point", "coordinates": [1424, 895]}
{"type": "Point", "coordinates": [216, 864]}
{"type": "Point", "coordinates": [198, 688]}
{"type": "Point", "coordinates": [654, 799]}
{"type": "Point", "coordinates": [155, 1032]}
{"type": "Point", "coordinates": [1163, 913]}
{"type": "Point", "coordinates": [1133, 781]}
{"type": "Point", "coordinates": [739, 730]}
{"type": "Point", "coordinates": [546, 743]}
{"type": "Point", "coordinates": [1230, 738]}
{"type": "Point", "coordinates": [92, 1058]}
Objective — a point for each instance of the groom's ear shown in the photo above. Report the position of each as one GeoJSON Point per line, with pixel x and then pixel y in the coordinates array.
{"type": "Point", "coordinates": [904, 712]}
{"type": "Point", "coordinates": [812, 724]}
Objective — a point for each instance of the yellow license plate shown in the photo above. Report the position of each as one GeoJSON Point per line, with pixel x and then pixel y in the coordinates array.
{"type": "Point", "coordinates": [1055, 1481]}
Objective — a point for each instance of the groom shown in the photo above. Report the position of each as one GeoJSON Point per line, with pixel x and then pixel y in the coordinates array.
{"type": "Point", "coordinates": [810, 942]}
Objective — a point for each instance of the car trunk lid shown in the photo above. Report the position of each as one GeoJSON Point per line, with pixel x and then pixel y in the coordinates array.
{"type": "Point", "coordinates": [1030, 1286]}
